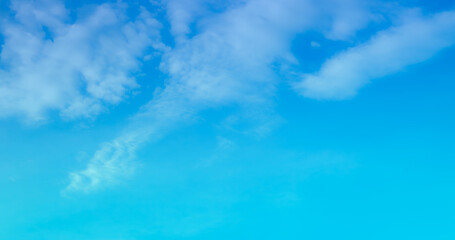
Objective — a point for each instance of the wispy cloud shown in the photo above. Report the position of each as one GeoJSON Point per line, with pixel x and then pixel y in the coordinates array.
{"type": "Point", "coordinates": [233, 57]}
{"type": "Point", "coordinates": [108, 166]}
{"type": "Point", "coordinates": [114, 161]}
{"type": "Point", "coordinates": [417, 39]}
{"type": "Point", "coordinates": [49, 62]}
{"type": "Point", "coordinates": [227, 62]}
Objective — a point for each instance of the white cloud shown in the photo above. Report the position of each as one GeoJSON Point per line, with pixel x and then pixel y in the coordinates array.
{"type": "Point", "coordinates": [228, 62]}
{"type": "Point", "coordinates": [114, 160]}
{"type": "Point", "coordinates": [111, 163]}
{"type": "Point", "coordinates": [108, 165]}
{"type": "Point", "coordinates": [346, 17]}
{"type": "Point", "coordinates": [77, 68]}
{"type": "Point", "coordinates": [233, 60]}
{"type": "Point", "coordinates": [181, 14]}
{"type": "Point", "coordinates": [415, 40]}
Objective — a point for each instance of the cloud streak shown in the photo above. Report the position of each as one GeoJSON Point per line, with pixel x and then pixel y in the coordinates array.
{"type": "Point", "coordinates": [417, 39]}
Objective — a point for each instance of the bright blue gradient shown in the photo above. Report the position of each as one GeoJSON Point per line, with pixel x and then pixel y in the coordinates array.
{"type": "Point", "coordinates": [379, 165]}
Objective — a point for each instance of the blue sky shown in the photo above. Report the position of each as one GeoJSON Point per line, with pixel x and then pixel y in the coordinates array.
{"type": "Point", "coordinates": [204, 119]}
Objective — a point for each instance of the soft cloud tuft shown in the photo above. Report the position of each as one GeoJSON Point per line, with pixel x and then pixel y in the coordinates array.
{"type": "Point", "coordinates": [77, 68]}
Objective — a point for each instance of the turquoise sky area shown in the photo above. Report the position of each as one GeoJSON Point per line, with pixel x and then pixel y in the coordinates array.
{"type": "Point", "coordinates": [237, 119]}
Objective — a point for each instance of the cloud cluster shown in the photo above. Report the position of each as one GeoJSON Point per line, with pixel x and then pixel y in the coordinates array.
{"type": "Point", "coordinates": [49, 62]}
{"type": "Point", "coordinates": [227, 62]}
{"type": "Point", "coordinates": [222, 55]}
{"type": "Point", "coordinates": [233, 56]}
